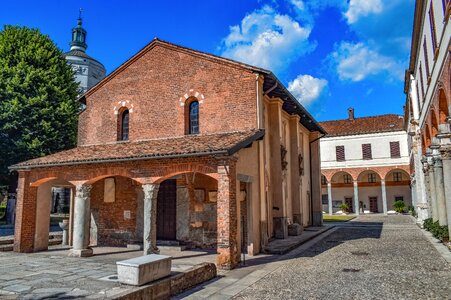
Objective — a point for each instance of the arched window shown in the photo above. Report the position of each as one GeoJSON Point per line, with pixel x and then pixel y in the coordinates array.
{"type": "Point", "coordinates": [193, 118]}
{"type": "Point", "coordinates": [124, 125]}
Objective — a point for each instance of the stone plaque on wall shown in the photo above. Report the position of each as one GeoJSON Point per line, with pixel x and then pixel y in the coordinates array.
{"type": "Point", "coordinates": [109, 193]}
{"type": "Point", "coordinates": [213, 196]}
{"type": "Point", "coordinates": [127, 215]}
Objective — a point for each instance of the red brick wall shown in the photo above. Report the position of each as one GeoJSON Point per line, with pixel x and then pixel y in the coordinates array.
{"type": "Point", "coordinates": [112, 228]}
{"type": "Point", "coordinates": [154, 85]}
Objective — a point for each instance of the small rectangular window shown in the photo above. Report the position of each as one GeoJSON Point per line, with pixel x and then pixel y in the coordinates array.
{"type": "Point", "coordinates": [340, 153]}
{"type": "Point", "coordinates": [426, 59]}
{"type": "Point", "coordinates": [397, 176]}
{"type": "Point", "coordinates": [421, 83]}
{"type": "Point", "coordinates": [394, 150]}
{"type": "Point", "coordinates": [371, 177]}
{"type": "Point", "coordinates": [433, 30]}
{"type": "Point", "coordinates": [366, 151]}
{"type": "Point", "coordinates": [399, 198]}
{"type": "Point", "coordinates": [347, 178]}
{"type": "Point", "coordinates": [323, 180]}
{"type": "Point", "coordinates": [325, 199]}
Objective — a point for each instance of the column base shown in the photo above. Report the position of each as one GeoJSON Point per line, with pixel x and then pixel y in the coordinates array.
{"type": "Point", "coordinates": [280, 227]}
{"type": "Point", "coordinates": [297, 218]}
{"type": "Point", "coordinates": [227, 258]}
{"type": "Point", "coordinates": [317, 218]}
{"type": "Point", "coordinates": [81, 253]}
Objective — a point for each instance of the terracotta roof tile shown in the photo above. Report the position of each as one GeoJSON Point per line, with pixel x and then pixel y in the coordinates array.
{"type": "Point", "coordinates": [189, 145]}
{"type": "Point", "coordinates": [364, 125]}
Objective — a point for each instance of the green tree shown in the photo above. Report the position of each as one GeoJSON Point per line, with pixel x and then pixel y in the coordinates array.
{"type": "Point", "coordinates": [38, 110]}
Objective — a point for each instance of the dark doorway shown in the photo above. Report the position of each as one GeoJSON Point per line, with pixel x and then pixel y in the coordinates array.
{"type": "Point", "coordinates": [373, 205]}
{"type": "Point", "coordinates": [166, 210]}
{"type": "Point", "coordinates": [349, 201]}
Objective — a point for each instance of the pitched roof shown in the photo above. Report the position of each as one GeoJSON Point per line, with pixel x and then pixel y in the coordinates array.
{"type": "Point", "coordinates": [80, 54]}
{"type": "Point", "coordinates": [189, 145]}
{"type": "Point", "coordinates": [364, 125]}
{"type": "Point", "coordinates": [271, 86]}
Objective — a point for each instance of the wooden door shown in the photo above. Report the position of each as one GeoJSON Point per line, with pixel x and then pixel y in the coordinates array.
{"type": "Point", "coordinates": [349, 202]}
{"type": "Point", "coordinates": [373, 204]}
{"type": "Point", "coordinates": [166, 210]}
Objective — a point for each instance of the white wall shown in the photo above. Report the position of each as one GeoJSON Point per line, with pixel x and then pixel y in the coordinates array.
{"type": "Point", "coordinates": [380, 147]}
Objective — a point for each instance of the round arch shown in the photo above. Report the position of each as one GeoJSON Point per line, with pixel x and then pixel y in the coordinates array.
{"type": "Point", "coordinates": [342, 177]}
{"type": "Point", "coordinates": [369, 176]}
{"type": "Point", "coordinates": [397, 175]}
{"type": "Point", "coordinates": [434, 123]}
{"type": "Point", "coordinates": [443, 106]}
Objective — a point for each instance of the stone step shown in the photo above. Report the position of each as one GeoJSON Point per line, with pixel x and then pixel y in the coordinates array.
{"type": "Point", "coordinates": [6, 241]}
{"type": "Point", "coordinates": [55, 241]}
{"type": "Point", "coordinates": [6, 247]}
{"type": "Point", "coordinates": [168, 243]}
{"type": "Point", "coordinates": [172, 248]}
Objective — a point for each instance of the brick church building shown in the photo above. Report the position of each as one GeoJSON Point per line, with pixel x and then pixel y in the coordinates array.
{"type": "Point", "coordinates": [177, 144]}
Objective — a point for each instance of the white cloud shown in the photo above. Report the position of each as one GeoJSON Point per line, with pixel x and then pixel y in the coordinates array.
{"type": "Point", "coordinates": [356, 62]}
{"type": "Point", "coordinates": [267, 39]}
{"type": "Point", "coordinates": [362, 8]}
{"type": "Point", "coordinates": [307, 88]}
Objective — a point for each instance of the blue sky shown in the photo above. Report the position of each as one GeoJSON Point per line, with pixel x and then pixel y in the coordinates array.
{"type": "Point", "coordinates": [331, 54]}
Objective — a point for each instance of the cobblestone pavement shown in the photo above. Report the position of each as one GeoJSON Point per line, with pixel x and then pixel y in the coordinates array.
{"type": "Point", "coordinates": [372, 257]}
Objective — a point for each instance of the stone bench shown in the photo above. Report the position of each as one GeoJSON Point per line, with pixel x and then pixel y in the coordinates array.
{"type": "Point", "coordinates": [143, 269]}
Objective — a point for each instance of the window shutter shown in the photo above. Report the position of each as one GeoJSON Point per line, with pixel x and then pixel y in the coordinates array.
{"type": "Point", "coordinates": [340, 153]}
{"type": "Point", "coordinates": [394, 150]}
{"type": "Point", "coordinates": [366, 151]}
{"type": "Point", "coordinates": [433, 30]}
{"type": "Point", "coordinates": [422, 83]}
{"type": "Point", "coordinates": [426, 59]}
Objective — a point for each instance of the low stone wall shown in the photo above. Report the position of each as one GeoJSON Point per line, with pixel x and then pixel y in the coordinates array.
{"type": "Point", "coordinates": [173, 285]}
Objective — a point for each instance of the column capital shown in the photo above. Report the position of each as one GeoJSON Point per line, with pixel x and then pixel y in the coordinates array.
{"type": "Point", "coordinates": [83, 190]}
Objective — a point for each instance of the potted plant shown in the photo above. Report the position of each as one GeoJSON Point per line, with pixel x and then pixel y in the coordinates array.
{"type": "Point", "coordinates": [399, 206]}
{"type": "Point", "coordinates": [344, 208]}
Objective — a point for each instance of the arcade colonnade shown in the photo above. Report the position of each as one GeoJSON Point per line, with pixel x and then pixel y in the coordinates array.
{"type": "Point", "coordinates": [366, 190]}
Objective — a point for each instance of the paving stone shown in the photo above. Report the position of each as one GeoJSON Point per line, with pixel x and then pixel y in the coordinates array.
{"type": "Point", "coordinates": [18, 288]}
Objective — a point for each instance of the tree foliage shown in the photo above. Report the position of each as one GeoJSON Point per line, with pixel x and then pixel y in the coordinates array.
{"type": "Point", "coordinates": [38, 110]}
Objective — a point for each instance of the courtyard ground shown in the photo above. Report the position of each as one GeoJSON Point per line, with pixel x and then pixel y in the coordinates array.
{"type": "Point", "coordinates": [369, 257]}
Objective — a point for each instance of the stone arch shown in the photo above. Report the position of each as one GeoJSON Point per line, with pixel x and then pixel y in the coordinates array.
{"type": "Point", "coordinates": [191, 94]}
{"type": "Point", "coordinates": [45, 201]}
{"type": "Point", "coordinates": [389, 175]}
{"type": "Point", "coordinates": [364, 176]}
{"type": "Point", "coordinates": [186, 168]}
{"type": "Point", "coordinates": [434, 123]}
{"type": "Point", "coordinates": [338, 177]}
{"type": "Point", "coordinates": [443, 106]}
{"type": "Point", "coordinates": [116, 210]}
{"type": "Point", "coordinates": [427, 135]}
{"type": "Point", "coordinates": [122, 105]}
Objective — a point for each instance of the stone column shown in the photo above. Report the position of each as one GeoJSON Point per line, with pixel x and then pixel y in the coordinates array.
{"type": "Point", "coordinates": [82, 218]}
{"type": "Point", "coordinates": [445, 152]}
{"type": "Point", "coordinates": [227, 216]}
{"type": "Point", "coordinates": [356, 198]}
{"type": "Point", "coordinates": [384, 196]}
{"type": "Point", "coordinates": [150, 218]}
{"type": "Point", "coordinates": [439, 188]}
{"type": "Point", "coordinates": [434, 206]}
{"type": "Point", "coordinates": [329, 198]}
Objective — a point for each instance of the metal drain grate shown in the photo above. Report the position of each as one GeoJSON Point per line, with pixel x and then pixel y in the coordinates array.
{"type": "Point", "coordinates": [360, 253]}
{"type": "Point", "coordinates": [351, 270]}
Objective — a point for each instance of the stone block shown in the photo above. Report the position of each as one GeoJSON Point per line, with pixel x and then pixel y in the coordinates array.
{"type": "Point", "coordinates": [143, 269]}
{"type": "Point", "coordinates": [294, 229]}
